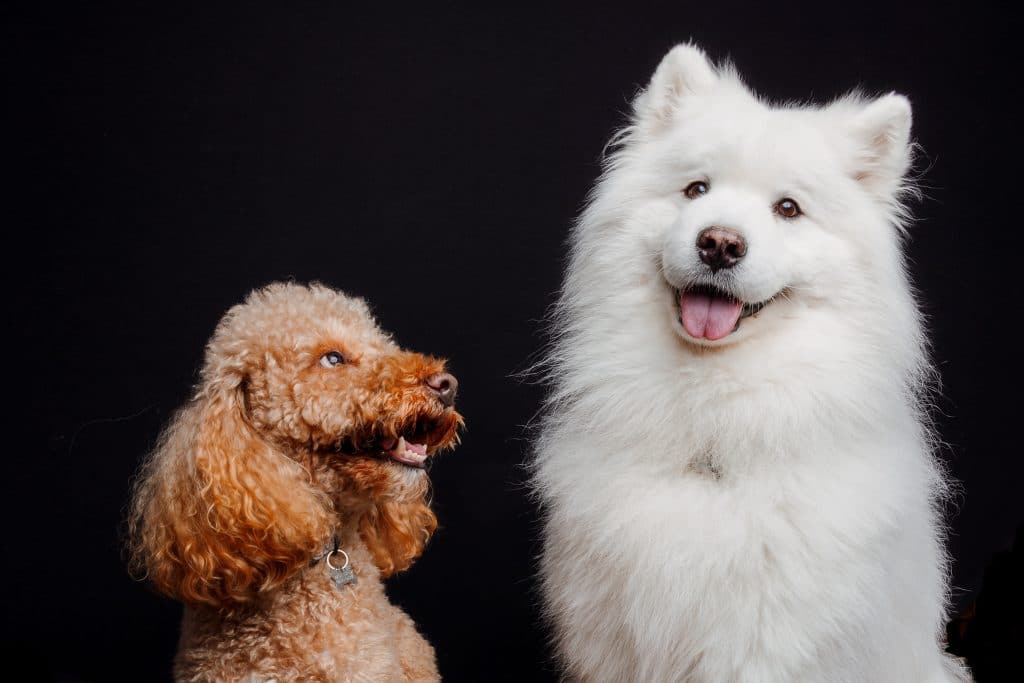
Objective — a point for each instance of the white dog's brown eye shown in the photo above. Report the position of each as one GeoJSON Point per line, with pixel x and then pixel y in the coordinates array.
{"type": "Point", "coordinates": [332, 359]}
{"type": "Point", "coordinates": [787, 208]}
{"type": "Point", "coordinates": [696, 189]}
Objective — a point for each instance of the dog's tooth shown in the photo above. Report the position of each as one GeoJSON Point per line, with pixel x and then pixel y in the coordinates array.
{"type": "Point", "coordinates": [400, 446]}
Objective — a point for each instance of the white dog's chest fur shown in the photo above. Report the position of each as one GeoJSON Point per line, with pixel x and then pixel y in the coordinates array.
{"type": "Point", "coordinates": [655, 576]}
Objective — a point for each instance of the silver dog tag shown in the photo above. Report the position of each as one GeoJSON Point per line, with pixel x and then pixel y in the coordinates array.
{"type": "Point", "coordinates": [343, 577]}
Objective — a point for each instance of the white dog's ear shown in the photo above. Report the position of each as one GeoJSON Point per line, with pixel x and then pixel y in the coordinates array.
{"type": "Point", "coordinates": [882, 135]}
{"type": "Point", "coordinates": [685, 70]}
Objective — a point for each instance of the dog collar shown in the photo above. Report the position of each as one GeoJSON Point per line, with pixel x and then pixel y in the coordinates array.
{"type": "Point", "coordinates": [329, 549]}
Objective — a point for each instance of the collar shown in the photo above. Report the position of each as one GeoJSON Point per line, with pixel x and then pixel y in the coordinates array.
{"type": "Point", "coordinates": [329, 549]}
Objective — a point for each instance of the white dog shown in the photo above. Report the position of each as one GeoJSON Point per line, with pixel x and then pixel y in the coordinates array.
{"type": "Point", "coordinates": [735, 462]}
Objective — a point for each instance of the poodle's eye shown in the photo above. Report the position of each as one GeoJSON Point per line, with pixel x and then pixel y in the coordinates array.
{"type": "Point", "coordinates": [787, 208]}
{"type": "Point", "coordinates": [696, 189]}
{"type": "Point", "coordinates": [332, 359]}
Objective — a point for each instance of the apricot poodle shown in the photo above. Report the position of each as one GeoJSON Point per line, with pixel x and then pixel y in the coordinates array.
{"type": "Point", "coordinates": [293, 482]}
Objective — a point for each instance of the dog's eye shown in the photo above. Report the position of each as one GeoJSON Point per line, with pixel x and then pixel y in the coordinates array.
{"type": "Point", "coordinates": [696, 189]}
{"type": "Point", "coordinates": [331, 359]}
{"type": "Point", "coordinates": [787, 208]}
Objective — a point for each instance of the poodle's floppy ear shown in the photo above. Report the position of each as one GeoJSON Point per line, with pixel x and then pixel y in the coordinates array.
{"type": "Point", "coordinates": [396, 533]}
{"type": "Point", "coordinates": [685, 70]}
{"type": "Point", "coordinates": [218, 514]}
{"type": "Point", "coordinates": [882, 155]}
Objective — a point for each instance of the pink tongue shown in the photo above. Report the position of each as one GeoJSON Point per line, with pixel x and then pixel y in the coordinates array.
{"type": "Point", "coordinates": [417, 448]}
{"type": "Point", "coordinates": [709, 317]}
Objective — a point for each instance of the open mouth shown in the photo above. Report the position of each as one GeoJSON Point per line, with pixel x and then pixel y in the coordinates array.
{"type": "Point", "coordinates": [410, 446]}
{"type": "Point", "coordinates": [707, 312]}
{"type": "Point", "coordinates": [405, 452]}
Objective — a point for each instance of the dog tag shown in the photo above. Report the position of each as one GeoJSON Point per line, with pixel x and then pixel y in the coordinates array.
{"type": "Point", "coordinates": [341, 576]}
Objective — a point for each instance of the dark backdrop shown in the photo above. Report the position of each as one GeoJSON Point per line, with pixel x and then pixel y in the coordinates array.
{"type": "Point", "coordinates": [431, 159]}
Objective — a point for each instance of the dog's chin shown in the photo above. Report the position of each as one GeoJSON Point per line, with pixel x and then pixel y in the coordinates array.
{"type": "Point", "coordinates": [709, 316]}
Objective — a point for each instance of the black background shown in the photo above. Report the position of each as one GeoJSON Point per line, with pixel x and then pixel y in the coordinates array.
{"type": "Point", "coordinates": [166, 160]}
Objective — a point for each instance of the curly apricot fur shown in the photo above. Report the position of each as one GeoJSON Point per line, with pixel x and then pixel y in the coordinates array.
{"type": "Point", "coordinates": [247, 485]}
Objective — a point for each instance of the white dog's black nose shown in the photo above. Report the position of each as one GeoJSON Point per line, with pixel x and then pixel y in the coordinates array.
{"type": "Point", "coordinates": [445, 386]}
{"type": "Point", "coordinates": [720, 247]}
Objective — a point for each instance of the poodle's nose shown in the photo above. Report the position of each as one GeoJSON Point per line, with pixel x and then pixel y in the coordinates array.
{"type": "Point", "coordinates": [444, 385]}
{"type": "Point", "coordinates": [720, 247]}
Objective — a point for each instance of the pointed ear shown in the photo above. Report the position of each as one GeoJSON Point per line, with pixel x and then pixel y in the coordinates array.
{"type": "Point", "coordinates": [683, 72]}
{"type": "Point", "coordinates": [218, 514]}
{"type": "Point", "coordinates": [883, 149]}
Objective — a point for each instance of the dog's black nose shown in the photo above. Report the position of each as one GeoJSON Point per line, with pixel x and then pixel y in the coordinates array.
{"type": "Point", "coordinates": [445, 386]}
{"type": "Point", "coordinates": [720, 247]}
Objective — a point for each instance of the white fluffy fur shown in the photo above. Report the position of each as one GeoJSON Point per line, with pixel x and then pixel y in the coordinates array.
{"type": "Point", "coordinates": [763, 507]}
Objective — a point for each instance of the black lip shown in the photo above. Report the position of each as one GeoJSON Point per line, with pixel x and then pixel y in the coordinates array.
{"type": "Point", "coordinates": [708, 289]}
